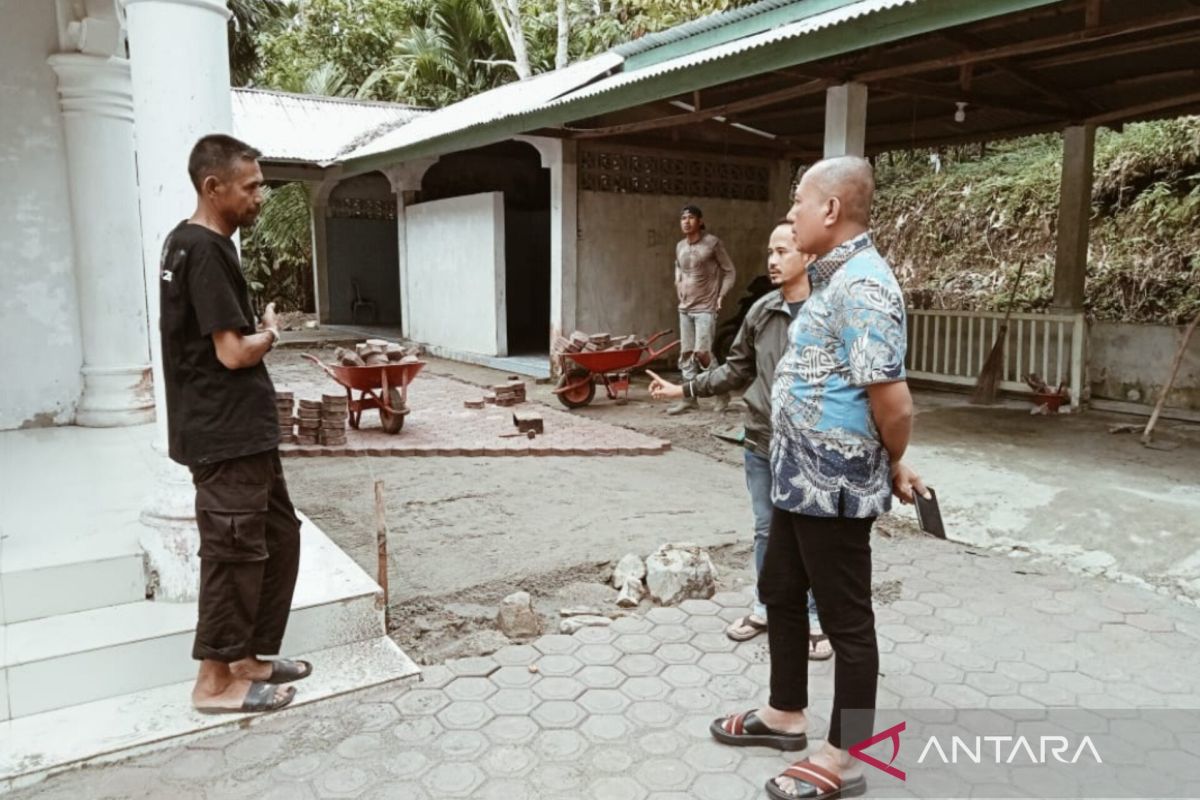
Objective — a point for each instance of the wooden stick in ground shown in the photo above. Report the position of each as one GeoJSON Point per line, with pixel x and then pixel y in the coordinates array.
{"type": "Point", "coordinates": [1166, 389]}
{"type": "Point", "coordinates": [381, 533]}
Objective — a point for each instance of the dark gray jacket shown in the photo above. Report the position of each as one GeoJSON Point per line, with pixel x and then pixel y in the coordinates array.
{"type": "Point", "coordinates": [757, 349]}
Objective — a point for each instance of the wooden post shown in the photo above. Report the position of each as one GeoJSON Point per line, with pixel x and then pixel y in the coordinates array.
{"type": "Point", "coordinates": [1074, 218]}
{"type": "Point", "coordinates": [381, 533]}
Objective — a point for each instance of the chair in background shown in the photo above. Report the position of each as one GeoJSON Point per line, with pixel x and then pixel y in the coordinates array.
{"type": "Point", "coordinates": [360, 303]}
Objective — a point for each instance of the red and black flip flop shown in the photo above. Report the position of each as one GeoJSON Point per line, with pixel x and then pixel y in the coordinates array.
{"type": "Point", "coordinates": [814, 782]}
{"type": "Point", "coordinates": [747, 730]}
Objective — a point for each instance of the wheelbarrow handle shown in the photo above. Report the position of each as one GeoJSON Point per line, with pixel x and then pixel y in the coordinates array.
{"type": "Point", "coordinates": [656, 337]}
{"type": "Point", "coordinates": [322, 365]}
{"type": "Point", "coordinates": [652, 354]}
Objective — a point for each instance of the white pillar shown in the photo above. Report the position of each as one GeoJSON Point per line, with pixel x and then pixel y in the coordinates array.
{"type": "Point", "coordinates": [97, 104]}
{"type": "Point", "coordinates": [846, 120]}
{"type": "Point", "coordinates": [179, 56]}
{"type": "Point", "coordinates": [559, 156]}
{"type": "Point", "coordinates": [318, 208]}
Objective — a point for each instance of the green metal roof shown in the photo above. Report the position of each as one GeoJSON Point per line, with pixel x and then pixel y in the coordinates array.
{"type": "Point", "coordinates": [838, 28]}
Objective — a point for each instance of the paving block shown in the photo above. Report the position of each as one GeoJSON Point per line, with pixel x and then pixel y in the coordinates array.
{"type": "Point", "coordinates": [470, 689]}
{"type": "Point", "coordinates": [560, 745]}
{"type": "Point", "coordinates": [513, 701]}
{"type": "Point", "coordinates": [603, 701]}
{"type": "Point", "coordinates": [453, 779]}
{"type": "Point", "coordinates": [664, 774]}
{"type": "Point", "coordinates": [556, 644]}
{"type": "Point", "coordinates": [558, 688]}
{"type": "Point", "coordinates": [511, 730]}
{"type": "Point", "coordinates": [678, 653]}
{"type": "Point", "coordinates": [598, 654]}
{"type": "Point", "coordinates": [558, 714]}
{"type": "Point", "coordinates": [559, 665]}
{"type": "Point", "coordinates": [636, 643]}
{"type": "Point", "coordinates": [516, 655]}
{"type": "Point", "coordinates": [465, 714]}
{"type": "Point", "coordinates": [461, 745]}
{"type": "Point", "coordinates": [606, 728]}
{"type": "Point", "coordinates": [600, 677]}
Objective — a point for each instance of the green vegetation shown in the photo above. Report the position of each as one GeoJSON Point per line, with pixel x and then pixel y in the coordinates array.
{"type": "Point", "coordinates": [958, 236]}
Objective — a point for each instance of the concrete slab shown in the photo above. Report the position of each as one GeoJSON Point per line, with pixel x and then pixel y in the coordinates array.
{"type": "Point", "coordinates": [34, 747]}
{"type": "Point", "coordinates": [1065, 488]}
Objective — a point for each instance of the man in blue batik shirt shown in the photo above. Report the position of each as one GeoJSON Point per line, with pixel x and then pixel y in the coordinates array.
{"type": "Point", "coordinates": [841, 421]}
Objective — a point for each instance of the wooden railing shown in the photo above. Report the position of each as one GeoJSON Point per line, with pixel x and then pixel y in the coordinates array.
{"type": "Point", "coordinates": [950, 347]}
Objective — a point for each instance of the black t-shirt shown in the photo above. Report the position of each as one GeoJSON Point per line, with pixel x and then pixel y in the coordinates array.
{"type": "Point", "coordinates": [213, 413]}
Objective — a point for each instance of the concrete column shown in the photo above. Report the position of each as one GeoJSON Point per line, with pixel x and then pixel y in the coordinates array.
{"type": "Point", "coordinates": [96, 96]}
{"type": "Point", "coordinates": [319, 216]}
{"type": "Point", "coordinates": [179, 55]}
{"type": "Point", "coordinates": [1074, 217]}
{"type": "Point", "coordinates": [560, 157]}
{"type": "Point", "coordinates": [846, 120]}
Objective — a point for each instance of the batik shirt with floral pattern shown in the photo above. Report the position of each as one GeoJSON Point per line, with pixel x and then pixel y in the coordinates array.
{"type": "Point", "coordinates": [827, 459]}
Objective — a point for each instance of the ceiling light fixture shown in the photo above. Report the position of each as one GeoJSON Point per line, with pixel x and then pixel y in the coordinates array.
{"type": "Point", "coordinates": [960, 114]}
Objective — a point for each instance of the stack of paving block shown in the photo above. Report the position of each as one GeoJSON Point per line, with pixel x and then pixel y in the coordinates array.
{"type": "Point", "coordinates": [287, 422]}
{"type": "Point", "coordinates": [309, 422]}
{"type": "Point", "coordinates": [335, 408]}
{"type": "Point", "coordinates": [508, 394]}
{"type": "Point", "coordinates": [373, 352]}
{"type": "Point", "coordinates": [580, 342]}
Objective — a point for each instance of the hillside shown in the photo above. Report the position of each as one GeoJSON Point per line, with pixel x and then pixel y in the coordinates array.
{"type": "Point", "coordinates": [958, 235]}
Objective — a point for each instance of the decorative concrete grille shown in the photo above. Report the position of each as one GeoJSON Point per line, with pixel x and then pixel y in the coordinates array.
{"type": "Point", "coordinates": [362, 208]}
{"type": "Point", "coordinates": [684, 177]}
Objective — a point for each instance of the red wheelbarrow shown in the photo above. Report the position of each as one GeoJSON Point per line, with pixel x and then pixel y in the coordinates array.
{"type": "Point", "coordinates": [577, 386]}
{"type": "Point", "coordinates": [389, 380]}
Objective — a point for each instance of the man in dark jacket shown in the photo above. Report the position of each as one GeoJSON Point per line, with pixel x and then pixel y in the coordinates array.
{"type": "Point", "coordinates": [759, 345]}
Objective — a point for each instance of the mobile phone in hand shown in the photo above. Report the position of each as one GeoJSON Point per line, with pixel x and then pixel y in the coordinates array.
{"type": "Point", "coordinates": [929, 516]}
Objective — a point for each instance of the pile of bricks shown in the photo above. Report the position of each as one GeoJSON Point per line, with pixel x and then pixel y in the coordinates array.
{"type": "Point", "coordinates": [309, 422]}
{"type": "Point", "coordinates": [580, 342]}
{"type": "Point", "coordinates": [377, 352]}
{"type": "Point", "coordinates": [287, 422]}
{"type": "Point", "coordinates": [335, 410]}
{"type": "Point", "coordinates": [502, 394]}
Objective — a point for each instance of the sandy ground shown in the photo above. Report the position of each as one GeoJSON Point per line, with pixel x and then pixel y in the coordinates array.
{"type": "Point", "coordinates": [1058, 492]}
{"type": "Point", "coordinates": [465, 532]}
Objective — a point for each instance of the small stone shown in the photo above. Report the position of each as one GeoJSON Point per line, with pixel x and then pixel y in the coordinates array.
{"type": "Point", "coordinates": [631, 594]}
{"type": "Point", "coordinates": [579, 611]}
{"type": "Point", "coordinates": [572, 624]}
{"type": "Point", "coordinates": [677, 572]}
{"type": "Point", "coordinates": [629, 568]}
{"type": "Point", "coordinates": [517, 619]}
{"type": "Point", "coordinates": [534, 668]}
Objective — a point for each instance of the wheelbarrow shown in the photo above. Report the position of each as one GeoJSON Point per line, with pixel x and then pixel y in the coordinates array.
{"type": "Point", "coordinates": [577, 387]}
{"type": "Point", "coordinates": [382, 386]}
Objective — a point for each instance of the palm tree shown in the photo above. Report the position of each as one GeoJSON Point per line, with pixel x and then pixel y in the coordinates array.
{"type": "Point", "coordinates": [250, 19]}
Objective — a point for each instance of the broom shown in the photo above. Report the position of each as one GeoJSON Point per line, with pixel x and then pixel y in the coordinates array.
{"type": "Point", "coordinates": [989, 376]}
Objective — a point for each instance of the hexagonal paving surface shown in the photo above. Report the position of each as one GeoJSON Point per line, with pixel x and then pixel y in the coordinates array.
{"type": "Point", "coordinates": [623, 711]}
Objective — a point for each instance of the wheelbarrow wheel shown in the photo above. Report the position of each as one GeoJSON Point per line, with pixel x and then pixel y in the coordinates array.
{"type": "Point", "coordinates": [392, 423]}
{"type": "Point", "coordinates": [579, 396]}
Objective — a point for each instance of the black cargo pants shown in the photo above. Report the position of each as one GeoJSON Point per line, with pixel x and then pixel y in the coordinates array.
{"type": "Point", "coordinates": [249, 557]}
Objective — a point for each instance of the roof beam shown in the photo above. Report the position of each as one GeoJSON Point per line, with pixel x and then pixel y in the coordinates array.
{"type": "Point", "coordinates": [1059, 42]}
{"type": "Point", "coordinates": [1117, 49]}
{"type": "Point", "coordinates": [726, 110]}
{"type": "Point", "coordinates": [969, 42]}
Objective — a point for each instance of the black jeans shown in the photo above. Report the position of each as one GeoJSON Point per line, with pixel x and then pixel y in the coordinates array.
{"type": "Point", "coordinates": [249, 557]}
{"type": "Point", "coordinates": [832, 556]}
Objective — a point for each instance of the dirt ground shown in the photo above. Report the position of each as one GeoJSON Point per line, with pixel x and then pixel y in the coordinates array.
{"type": "Point", "coordinates": [465, 532]}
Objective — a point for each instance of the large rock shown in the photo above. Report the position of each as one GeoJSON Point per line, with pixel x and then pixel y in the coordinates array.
{"type": "Point", "coordinates": [677, 572]}
{"type": "Point", "coordinates": [629, 568]}
{"type": "Point", "coordinates": [517, 619]}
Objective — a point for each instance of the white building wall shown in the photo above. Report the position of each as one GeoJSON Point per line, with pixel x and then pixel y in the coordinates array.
{"type": "Point", "coordinates": [40, 350]}
{"type": "Point", "coordinates": [455, 273]}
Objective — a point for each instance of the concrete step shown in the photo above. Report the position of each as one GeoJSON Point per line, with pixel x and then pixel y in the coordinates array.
{"type": "Point", "coordinates": [33, 747]}
{"type": "Point", "coordinates": [68, 659]}
{"type": "Point", "coordinates": [112, 576]}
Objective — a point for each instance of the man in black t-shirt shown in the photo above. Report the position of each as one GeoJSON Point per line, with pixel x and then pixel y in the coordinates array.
{"type": "Point", "coordinates": [222, 425]}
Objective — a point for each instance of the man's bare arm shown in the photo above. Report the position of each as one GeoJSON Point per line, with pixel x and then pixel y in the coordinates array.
{"type": "Point", "coordinates": [892, 409]}
{"type": "Point", "coordinates": [238, 351]}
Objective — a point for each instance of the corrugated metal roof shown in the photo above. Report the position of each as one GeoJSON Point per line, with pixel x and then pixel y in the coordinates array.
{"type": "Point", "coordinates": [509, 100]}
{"type": "Point", "coordinates": [697, 26]}
{"type": "Point", "coordinates": [308, 128]}
{"type": "Point", "coordinates": [795, 30]}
